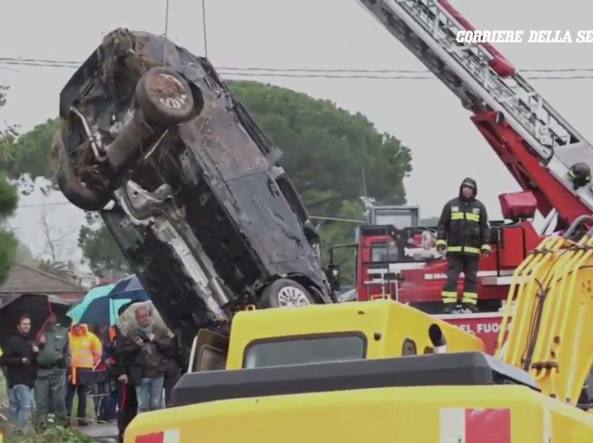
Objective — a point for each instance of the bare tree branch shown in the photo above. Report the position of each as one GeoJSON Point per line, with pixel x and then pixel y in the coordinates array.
{"type": "Point", "coordinates": [51, 241]}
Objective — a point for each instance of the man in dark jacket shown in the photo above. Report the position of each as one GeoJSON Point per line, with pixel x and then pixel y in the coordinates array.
{"type": "Point", "coordinates": [127, 403]}
{"type": "Point", "coordinates": [144, 351]}
{"type": "Point", "coordinates": [52, 361]}
{"type": "Point", "coordinates": [20, 359]}
{"type": "Point", "coordinates": [464, 232]}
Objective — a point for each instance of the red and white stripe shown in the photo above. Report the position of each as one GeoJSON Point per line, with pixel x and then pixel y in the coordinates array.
{"type": "Point", "coordinates": [168, 436]}
{"type": "Point", "coordinates": [461, 425]}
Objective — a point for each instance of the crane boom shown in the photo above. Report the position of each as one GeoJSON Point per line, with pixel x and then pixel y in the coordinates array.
{"type": "Point", "coordinates": [534, 141]}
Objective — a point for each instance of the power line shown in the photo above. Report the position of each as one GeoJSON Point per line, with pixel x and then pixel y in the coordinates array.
{"type": "Point", "coordinates": [76, 64]}
{"type": "Point", "coordinates": [36, 205]}
{"type": "Point", "coordinates": [330, 73]}
{"type": "Point", "coordinates": [378, 71]}
{"type": "Point", "coordinates": [38, 60]}
{"type": "Point", "coordinates": [238, 73]}
{"type": "Point", "coordinates": [376, 77]}
{"type": "Point", "coordinates": [327, 76]}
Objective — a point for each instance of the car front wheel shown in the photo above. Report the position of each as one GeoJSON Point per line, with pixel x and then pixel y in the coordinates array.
{"type": "Point", "coordinates": [285, 293]}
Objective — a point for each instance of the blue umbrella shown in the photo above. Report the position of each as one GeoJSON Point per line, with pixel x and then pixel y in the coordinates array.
{"type": "Point", "coordinates": [103, 309]}
{"type": "Point", "coordinates": [100, 292]}
{"type": "Point", "coordinates": [128, 288]}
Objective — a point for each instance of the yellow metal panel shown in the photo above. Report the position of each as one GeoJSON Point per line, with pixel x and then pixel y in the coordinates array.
{"type": "Point", "coordinates": [388, 415]}
{"type": "Point", "coordinates": [551, 329]}
{"type": "Point", "coordinates": [522, 297]}
{"type": "Point", "coordinates": [384, 323]}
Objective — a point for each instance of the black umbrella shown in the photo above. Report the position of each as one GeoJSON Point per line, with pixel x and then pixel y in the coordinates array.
{"type": "Point", "coordinates": [37, 306]}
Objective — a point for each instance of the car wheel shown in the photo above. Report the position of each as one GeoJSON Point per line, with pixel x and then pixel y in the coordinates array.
{"type": "Point", "coordinates": [285, 293]}
{"type": "Point", "coordinates": [164, 97]}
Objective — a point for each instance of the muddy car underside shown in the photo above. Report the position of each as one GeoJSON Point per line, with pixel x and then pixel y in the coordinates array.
{"type": "Point", "coordinates": [187, 183]}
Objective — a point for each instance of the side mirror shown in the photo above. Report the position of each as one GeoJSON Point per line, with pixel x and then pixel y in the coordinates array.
{"type": "Point", "coordinates": [333, 276]}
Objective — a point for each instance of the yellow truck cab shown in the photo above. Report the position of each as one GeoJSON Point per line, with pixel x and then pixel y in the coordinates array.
{"type": "Point", "coordinates": [373, 371]}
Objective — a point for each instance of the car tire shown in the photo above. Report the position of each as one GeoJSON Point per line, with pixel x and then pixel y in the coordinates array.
{"type": "Point", "coordinates": [285, 293]}
{"type": "Point", "coordinates": [164, 97]}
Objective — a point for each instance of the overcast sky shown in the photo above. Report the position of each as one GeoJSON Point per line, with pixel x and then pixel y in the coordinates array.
{"type": "Point", "coordinates": [315, 34]}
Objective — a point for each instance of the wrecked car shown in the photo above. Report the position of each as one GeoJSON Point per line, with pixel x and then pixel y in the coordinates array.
{"type": "Point", "coordinates": [187, 183]}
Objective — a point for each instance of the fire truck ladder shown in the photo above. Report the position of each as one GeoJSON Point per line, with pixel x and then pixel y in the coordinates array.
{"type": "Point", "coordinates": [485, 81]}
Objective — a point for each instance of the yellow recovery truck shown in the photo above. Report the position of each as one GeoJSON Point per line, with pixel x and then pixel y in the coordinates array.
{"type": "Point", "coordinates": [380, 371]}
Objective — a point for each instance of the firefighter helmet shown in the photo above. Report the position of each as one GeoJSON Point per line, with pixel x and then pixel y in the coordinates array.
{"type": "Point", "coordinates": [579, 174]}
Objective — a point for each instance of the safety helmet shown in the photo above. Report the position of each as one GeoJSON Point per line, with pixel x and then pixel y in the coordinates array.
{"type": "Point", "coordinates": [579, 174]}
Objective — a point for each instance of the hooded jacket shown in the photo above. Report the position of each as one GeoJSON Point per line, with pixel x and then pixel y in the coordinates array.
{"type": "Point", "coordinates": [463, 225]}
{"type": "Point", "coordinates": [85, 350]}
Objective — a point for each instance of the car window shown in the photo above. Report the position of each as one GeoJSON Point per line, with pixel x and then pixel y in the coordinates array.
{"type": "Point", "coordinates": [303, 350]}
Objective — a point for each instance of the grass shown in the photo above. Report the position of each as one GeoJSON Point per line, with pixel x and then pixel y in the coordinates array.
{"type": "Point", "coordinates": [55, 434]}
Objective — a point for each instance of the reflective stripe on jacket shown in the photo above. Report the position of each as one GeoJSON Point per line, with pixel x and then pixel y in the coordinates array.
{"type": "Point", "coordinates": [85, 350]}
{"type": "Point", "coordinates": [464, 226]}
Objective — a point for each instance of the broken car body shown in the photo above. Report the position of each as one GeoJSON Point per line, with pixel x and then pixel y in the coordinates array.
{"type": "Point", "coordinates": [187, 183]}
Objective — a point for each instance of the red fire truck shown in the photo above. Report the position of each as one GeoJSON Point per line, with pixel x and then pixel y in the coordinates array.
{"type": "Point", "coordinates": [395, 257]}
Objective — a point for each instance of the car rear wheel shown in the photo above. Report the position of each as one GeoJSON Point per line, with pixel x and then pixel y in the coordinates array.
{"type": "Point", "coordinates": [285, 293]}
{"type": "Point", "coordinates": [165, 97]}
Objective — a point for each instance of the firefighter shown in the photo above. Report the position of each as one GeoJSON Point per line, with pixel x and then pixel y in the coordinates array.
{"type": "Point", "coordinates": [464, 233]}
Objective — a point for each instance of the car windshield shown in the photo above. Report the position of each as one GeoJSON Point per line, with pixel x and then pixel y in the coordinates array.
{"type": "Point", "coordinates": [315, 349]}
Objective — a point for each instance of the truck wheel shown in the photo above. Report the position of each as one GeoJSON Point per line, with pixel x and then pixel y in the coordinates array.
{"type": "Point", "coordinates": [285, 293]}
{"type": "Point", "coordinates": [164, 97]}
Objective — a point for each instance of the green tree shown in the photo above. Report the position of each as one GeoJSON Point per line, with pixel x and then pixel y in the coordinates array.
{"type": "Point", "coordinates": [100, 249]}
{"type": "Point", "coordinates": [31, 153]}
{"type": "Point", "coordinates": [326, 148]}
{"type": "Point", "coordinates": [8, 203]}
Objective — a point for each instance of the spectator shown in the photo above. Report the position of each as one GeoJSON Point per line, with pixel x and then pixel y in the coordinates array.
{"type": "Point", "coordinates": [20, 359]}
{"type": "Point", "coordinates": [106, 408]}
{"type": "Point", "coordinates": [52, 361]}
{"type": "Point", "coordinates": [144, 350]}
{"type": "Point", "coordinates": [127, 405]}
{"type": "Point", "coordinates": [85, 349]}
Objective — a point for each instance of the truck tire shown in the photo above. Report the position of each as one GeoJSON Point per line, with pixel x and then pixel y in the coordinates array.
{"type": "Point", "coordinates": [164, 97]}
{"type": "Point", "coordinates": [285, 293]}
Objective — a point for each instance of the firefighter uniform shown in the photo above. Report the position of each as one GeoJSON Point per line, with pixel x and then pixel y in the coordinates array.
{"type": "Point", "coordinates": [463, 230]}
